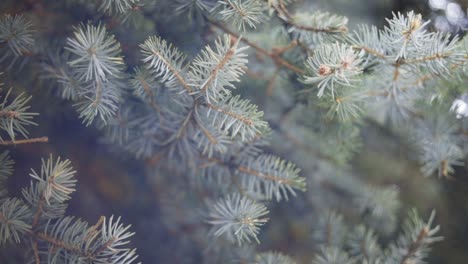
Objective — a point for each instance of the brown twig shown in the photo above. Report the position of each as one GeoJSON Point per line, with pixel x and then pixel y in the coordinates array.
{"type": "Point", "coordinates": [24, 141]}
{"type": "Point", "coordinates": [9, 114]}
{"type": "Point", "coordinates": [271, 82]}
{"type": "Point", "coordinates": [415, 245]}
{"type": "Point", "coordinates": [174, 71]}
{"type": "Point", "coordinates": [225, 60]}
{"type": "Point", "coordinates": [37, 259]}
{"type": "Point", "coordinates": [275, 57]}
{"type": "Point", "coordinates": [243, 119]}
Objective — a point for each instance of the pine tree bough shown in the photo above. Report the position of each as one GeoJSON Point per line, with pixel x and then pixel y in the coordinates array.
{"type": "Point", "coordinates": [187, 115]}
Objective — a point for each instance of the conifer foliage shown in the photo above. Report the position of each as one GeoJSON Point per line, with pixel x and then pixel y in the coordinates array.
{"type": "Point", "coordinates": [37, 220]}
{"type": "Point", "coordinates": [183, 114]}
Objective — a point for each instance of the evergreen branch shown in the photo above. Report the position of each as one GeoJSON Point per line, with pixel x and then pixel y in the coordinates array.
{"type": "Point", "coordinates": [264, 175]}
{"type": "Point", "coordinates": [332, 255]}
{"type": "Point", "coordinates": [117, 6]}
{"type": "Point", "coordinates": [221, 64]}
{"type": "Point", "coordinates": [47, 195]}
{"type": "Point", "coordinates": [237, 116]}
{"type": "Point", "coordinates": [145, 87]}
{"type": "Point", "coordinates": [14, 115]}
{"type": "Point", "coordinates": [364, 245]}
{"type": "Point", "coordinates": [406, 32]}
{"type": "Point", "coordinates": [6, 170]}
{"type": "Point", "coordinates": [272, 177]}
{"type": "Point", "coordinates": [213, 71]}
{"type": "Point", "coordinates": [330, 230]}
{"type": "Point", "coordinates": [99, 99]}
{"type": "Point", "coordinates": [438, 143]}
{"type": "Point", "coordinates": [100, 243]}
{"type": "Point", "coordinates": [275, 57]}
{"type": "Point", "coordinates": [61, 244]}
{"type": "Point", "coordinates": [368, 38]}
{"type": "Point", "coordinates": [243, 119]}
{"type": "Point", "coordinates": [267, 176]}
{"type": "Point", "coordinates": [166, 61]}
{"type": "Point", "coordinates": [97, 53]}
{"type": "Point", "coordinates": [217, 141]}
{"type": "Point", "coordinates": [68, 80]}
{"type": "Point", "coordinates": [17, 33]}
{"type": "Point", "coordinates": [414, 243]}
{"type": "Point", "coordinates": [65, 240]}
{"type": "Point", "coordinates": [371, 51]}
{"type": "Point", "coordinates": [273, 258]}
{"type": "Point", "coordinates": [14, 218]}
{"type": "Point", "coordinates": [242, 12]}
{"type": "Point", "coordinates": [237, 218]}
{"type": "Point", "coordinates": [428, 58]}
{"type": "Point", "coordinates": [331, 65]}
{"type": "Point", "coordinates": [320, 22]}
{"type": "Point", "coordinates": [83, 242]}
{"type": "Point", "coordinates": [56, 179]}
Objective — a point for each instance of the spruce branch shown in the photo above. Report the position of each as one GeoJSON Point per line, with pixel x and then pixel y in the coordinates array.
{"type": "Point", "coordinates": [275, 56]}
{"type": "Point", "coordinates": [68, 80]}
{"type": "Point", "coordinates": [213, 71]}
{"type": "Point", "coordinates": [193, 9]}
{"type": "Point", "coordinates": [330, 230]}
{"type": "Point", "coordinates": [237, 218]}
{"type": "Point", "coordinates": [56, 179]}
{"type": "Point", "coordinates": [209, 138]}
{"type": "Point", "coordinates": [14, 220]}
{"type": "Point", "coordinates": [55, 238]}
{"type": "Point", "coordinates": [50, 190]}
{"type": "Point", "coordinates": [319, 22]}
{"type": "Point", "coordinates": [368, 38]}
{"type": "Point", "coordinates": [6, 170]}
{"type": "Point", "coordinates": [273, 258]}
{"type": "Point", "coordinates": [311, 27]}
{"type": "Point", "coordinates": [71, 239]}
{"type": "Point", "coordinates": [117, 6]}
{"type": "Point", "coordinates": [271, 177]}
{"type": "Point", "coordinates": [331, 256]}
{"type": "Point", "coordinates": [15, 115]}
{"type": "Point", "coordinates": [99, 99]}
{"type": "Point", "coordinates": [166, 62]}
{"type": "Point", "coordinates": [17, 33]}
{"type": "Point", "coordinates": [242, 13]}
{"type": "Point", "coordinates": [363, 245]}
{"type": "Point", "coordinates": [331, 65]}
{"type": "Point", "coordinates": [237, 116]}
{"type": "Point", "coordinates": [97, 53]}
{"type": "Point", "coordinates": [406, 33]}
{"type": "Point", "coordinates": [146, 87]}
{"type": "Point", "coordinates": [414, 243]}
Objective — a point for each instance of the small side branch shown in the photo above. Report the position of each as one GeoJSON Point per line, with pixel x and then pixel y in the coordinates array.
{"type": "Point", "coordinates": [264, 175]}
{"type": "Point", "coordinates": [287, 18]}
{"type": "Point", "coordinates": [371, 51]}
{"type": "Point", "coordinates": [24, 141]}
{"type": "Point", "coordinates": [243, 119]}
{"type": "Point", "coordinates": [416, 244]}
{"type": "Point", "coordinates": [275, 55]}
{"type": "Point", "coordinates": [37, 259]}
{"type": "Point", "coordinates": [225, 60]}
